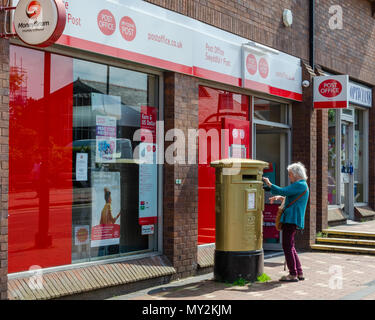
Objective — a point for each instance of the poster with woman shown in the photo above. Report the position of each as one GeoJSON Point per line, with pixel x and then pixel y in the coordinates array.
{"type": "Point", "coordinates": [106, 208]}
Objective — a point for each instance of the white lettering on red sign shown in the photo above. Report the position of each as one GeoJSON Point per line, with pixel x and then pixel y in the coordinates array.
{"type": "Point", "coordinates": [106, 22]}
{"type": "Point", "coordinates": [251, 64]}
{"type": "Point", "coordinates": [128, 29]}
{"type": "Point", "coordinates": [330, 88]}
{"type": "Point", "coordinates": [263, 68]}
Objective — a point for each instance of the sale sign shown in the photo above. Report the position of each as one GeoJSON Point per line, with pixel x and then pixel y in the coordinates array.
{"type": "Point", "coordinates": [331, 92]}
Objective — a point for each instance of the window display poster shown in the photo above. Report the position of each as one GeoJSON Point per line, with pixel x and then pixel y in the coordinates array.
{"type": "Point", "coordinates": [148, 169]}
{"type": "Point", "coordinates": [81, 166]}
{"type": "Point", "coordinates": [81, 235]}
{"type": "Point", "coordinates": [106, 207]}
{"type": "Point", "coordinates": [105, 139]}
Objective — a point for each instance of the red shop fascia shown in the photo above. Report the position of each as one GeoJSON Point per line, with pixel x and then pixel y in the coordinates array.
{"type": "Point", "coordinates": [42, 86]}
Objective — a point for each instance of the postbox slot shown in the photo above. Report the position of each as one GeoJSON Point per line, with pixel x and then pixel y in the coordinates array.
{"type": "Point", "coordinates": [249, 177]}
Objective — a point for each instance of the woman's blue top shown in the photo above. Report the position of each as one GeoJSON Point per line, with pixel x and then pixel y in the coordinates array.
{"type": "Point", "coordinates": [295, 214]}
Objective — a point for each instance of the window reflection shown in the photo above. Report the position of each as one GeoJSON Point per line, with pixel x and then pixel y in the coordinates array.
{"type": "Point", "coordinates": [76, 193]}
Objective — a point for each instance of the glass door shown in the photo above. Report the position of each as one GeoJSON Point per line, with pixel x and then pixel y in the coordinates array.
{"type": "Point", "coordinates": [347, 168]}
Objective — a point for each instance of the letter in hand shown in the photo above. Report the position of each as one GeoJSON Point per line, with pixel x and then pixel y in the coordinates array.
{"type": "Point", "coordinates": [267, 181]}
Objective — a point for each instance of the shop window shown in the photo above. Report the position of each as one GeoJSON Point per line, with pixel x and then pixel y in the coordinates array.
{"type": "Point", "coordinates": [271, 111]}
{"type": "Point", "coordinates": [77, 190]}
{"type": "Point", "coordinates": [359, 156]}
{"type": "Point", "coordinates": [218, 110]}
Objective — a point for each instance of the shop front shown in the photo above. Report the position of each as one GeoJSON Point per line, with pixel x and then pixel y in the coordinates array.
{"type": "Point", "coordinates": [254, 122]}
{"type": "Point", "coordinates": [348, 152]}
{"type": "Point", "coordinates": [88, 176]}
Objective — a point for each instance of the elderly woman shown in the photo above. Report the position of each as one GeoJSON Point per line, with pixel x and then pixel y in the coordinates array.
{"type": "Point", "coordinates": [296, 196]}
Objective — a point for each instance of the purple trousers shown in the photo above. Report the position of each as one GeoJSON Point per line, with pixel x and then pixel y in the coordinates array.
{"type": "Point", "coordinates": [291, 257]}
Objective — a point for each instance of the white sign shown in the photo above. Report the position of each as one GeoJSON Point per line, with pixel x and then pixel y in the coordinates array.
{"type": "Point", "coordinates": [331, 92]}
{"type": "Point", "coordinates": [251, 201]}
{"type": "Point", "coordinates": [145, 33]}
{"type": "Point", "coordinates": [360, 95]}
{"type": "Point", "coordinates": [149, 229]}
{"type": "Point", "coordinates": [81, 166]}
{"type": "Point", "coordinates": [272, 72]}
{"type": "Point", "coordinates": [39, 22]}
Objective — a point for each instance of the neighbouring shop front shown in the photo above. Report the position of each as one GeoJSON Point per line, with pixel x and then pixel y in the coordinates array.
{"type": "Point", "coordinates": [83, 122]}
{"type": "Point", "coordinates": [348, 152]}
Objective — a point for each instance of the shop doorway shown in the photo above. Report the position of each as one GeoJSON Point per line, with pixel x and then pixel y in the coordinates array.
{"type": "Point", "coordinates": [347, 168]}
{"type": "Point", "coordinates": [272, 132]}
{"type": "Point", "coordinates": [348, 160]}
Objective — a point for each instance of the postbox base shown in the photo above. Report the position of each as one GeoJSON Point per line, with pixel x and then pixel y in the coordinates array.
{"type": "Point", "coordinates": [233, 265]}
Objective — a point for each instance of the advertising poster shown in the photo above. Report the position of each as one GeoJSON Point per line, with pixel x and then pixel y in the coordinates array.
{"type": "Point", "coordinates": [148, 169]}
{"type": "Point", "coordinates": [105, 139]}
{"type": "Point", "coordinates": [106, 207]}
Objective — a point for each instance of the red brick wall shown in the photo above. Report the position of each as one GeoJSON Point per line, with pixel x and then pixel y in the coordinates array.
{"type": "Point", "coordinates": [257, 20]}
{"type": "Point", "coordinates": [180, 213]}
{"type": "Point", "coordinates": [352, 49]}
{"type": "Point", "coordinates": [304, 137]}
{"type": "Point", "coordinates": [4, 129]}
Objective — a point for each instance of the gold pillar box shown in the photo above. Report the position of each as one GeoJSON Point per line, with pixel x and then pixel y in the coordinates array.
{"type": "Point", "coordinates": [239, 218]}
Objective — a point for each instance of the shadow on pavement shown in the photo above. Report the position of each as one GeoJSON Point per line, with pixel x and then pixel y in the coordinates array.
{"type": "Point", "coordinates": [208, 288]}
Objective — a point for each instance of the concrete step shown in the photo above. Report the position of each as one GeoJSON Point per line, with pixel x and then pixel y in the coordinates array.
{"type": "Point", "coordinates": [347, 241]}
{"type": "Point", "coordinates": [336, 233]}
{"type": "Point", "coordinates": [326, 247]}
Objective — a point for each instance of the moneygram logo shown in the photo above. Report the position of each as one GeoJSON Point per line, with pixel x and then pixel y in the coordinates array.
{"type": "Point", "coordinates": [33, 10]}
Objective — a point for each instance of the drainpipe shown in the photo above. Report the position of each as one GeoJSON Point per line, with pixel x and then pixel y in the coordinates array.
{"type": "Point", "coordinates": [312, 34]}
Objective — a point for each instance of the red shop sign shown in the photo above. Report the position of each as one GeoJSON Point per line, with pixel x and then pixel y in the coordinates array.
{"type": "Point", "coordinates": [331, 92]}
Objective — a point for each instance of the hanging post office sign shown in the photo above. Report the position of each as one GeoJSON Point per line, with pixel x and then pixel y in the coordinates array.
{"type": "Point", "coordinates": [39, 22]}
{"type": "Point", "coordinates": [331, 92]}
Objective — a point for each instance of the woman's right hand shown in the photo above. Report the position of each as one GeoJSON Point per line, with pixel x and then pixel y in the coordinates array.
{"type": "Point", "coordinates": [276, 198]}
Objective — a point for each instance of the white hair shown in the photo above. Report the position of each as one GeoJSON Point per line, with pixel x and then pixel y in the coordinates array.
{"type": "Point", "coordinates": [298, 170]}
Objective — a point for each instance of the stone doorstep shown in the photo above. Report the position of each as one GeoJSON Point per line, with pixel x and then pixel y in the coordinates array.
{"type": "Point", "coordinates": [336, 217]}
{"type": "Point", "coordinates": [363, 214]}
{"type": "Point", "coordinates": [85, 279]}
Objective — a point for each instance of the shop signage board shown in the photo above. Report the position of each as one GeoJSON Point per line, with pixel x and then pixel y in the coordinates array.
{"type": "Point", "coordinates": [141, 32]}
{"type": "Point", "coordinates": [360, 95]}
{"type": "Point", "coordinates": [331, 92]}
{"type": "Point", "coordinates": [39, 22]}
{"type": "Point", "coordinates": [272, 72]}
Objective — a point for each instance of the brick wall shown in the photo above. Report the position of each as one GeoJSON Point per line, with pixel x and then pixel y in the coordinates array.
{"type": "Point", "coordinates": [304, 149]}
{"type": "Point", "coordinates": [4, 129]}
{"type": "Point", "coordinates": [180, 214]}
{"type": "Point", "coordinates": [257, 20]}
{"type": "Point", "coordinates": [322, 167]}
{"type": "Point", "coordinates": [352, 49]}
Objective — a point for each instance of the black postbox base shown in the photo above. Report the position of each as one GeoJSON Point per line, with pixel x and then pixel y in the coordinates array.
{"type": "Point", "coordinates": [232, 265]}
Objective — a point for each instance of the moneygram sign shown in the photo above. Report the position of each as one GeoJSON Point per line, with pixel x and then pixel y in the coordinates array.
{"type": "Point", "coordinates": [39, 22]}
{"type": "Point", "coordinates": [331, 92]}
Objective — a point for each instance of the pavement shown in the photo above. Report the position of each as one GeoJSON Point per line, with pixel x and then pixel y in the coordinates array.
{"type": "Point", "coordinates": [328, 276]}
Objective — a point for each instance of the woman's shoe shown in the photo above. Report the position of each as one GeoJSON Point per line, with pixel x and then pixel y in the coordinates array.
{"type": "Point", "coordinates": [289, 278]}
{"type": "Point", "coordinates": [301, 277]}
